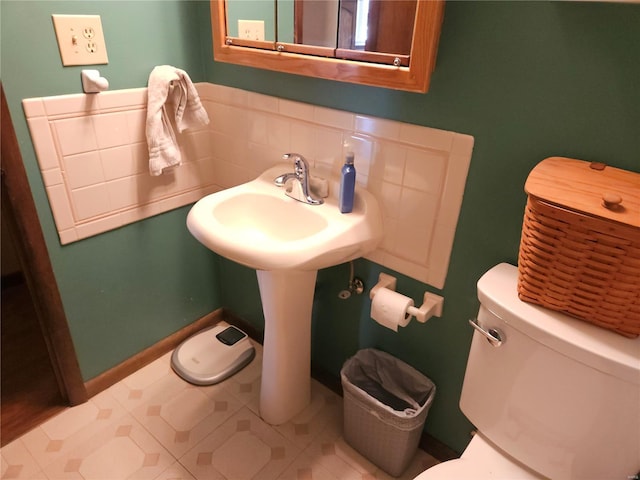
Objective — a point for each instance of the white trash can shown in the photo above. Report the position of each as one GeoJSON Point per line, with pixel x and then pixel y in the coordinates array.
{"type": "Point", "coordinates": [386, 403]}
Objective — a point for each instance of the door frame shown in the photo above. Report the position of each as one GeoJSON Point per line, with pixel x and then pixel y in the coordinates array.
{"type": "Point", "coordinates": [34, 257]}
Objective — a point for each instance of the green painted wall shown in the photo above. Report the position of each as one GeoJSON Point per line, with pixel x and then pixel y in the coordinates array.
{"type": "Point", "coordinates": [528, 80]}
{"type": "Point", "coordinates": [128, 288]}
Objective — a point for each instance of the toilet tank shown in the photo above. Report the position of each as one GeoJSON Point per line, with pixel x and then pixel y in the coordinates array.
{"type": "Point", "coordinates": [559, 395]}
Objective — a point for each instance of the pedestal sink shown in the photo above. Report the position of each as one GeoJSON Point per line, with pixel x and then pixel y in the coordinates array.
{"type": "Point", "coordinates": [286, 241]}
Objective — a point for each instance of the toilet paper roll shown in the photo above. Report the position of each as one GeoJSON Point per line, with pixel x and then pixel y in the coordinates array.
{"type": "Point", "coordinates": [389, 309]}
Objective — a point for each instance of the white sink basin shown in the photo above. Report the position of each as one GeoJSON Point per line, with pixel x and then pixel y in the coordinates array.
{"type": "Point", "coordinates": [257, 225]}
{"type": "Point", "coordinates": [286, 241]}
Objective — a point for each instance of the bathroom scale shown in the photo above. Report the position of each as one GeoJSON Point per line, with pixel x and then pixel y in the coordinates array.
{"type": "Point", "coordinates": [212, 355]}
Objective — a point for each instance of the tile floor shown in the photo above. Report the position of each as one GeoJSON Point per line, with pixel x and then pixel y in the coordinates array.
{"type": "Point", "coordinates": [153, 425]}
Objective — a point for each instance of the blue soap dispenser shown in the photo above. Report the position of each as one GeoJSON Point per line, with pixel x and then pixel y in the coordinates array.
{"type": "Point", "coordinates": [347, 184]}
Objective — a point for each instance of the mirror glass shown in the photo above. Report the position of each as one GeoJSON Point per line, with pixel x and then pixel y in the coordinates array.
{"type": "Point", "coordinates": [377, 25]}
{"type": "Point", "coordinates": [253, 10]}
{"type": "Point", "coordinates": [315, 22]}
{"type": "Point", "coordinates": [367, 25]}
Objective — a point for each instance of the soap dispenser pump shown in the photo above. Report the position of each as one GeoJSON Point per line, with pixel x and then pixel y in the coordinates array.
{"type": "Point", "coordinates": [347, 184]}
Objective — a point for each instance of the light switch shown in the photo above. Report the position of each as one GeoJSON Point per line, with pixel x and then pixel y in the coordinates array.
{"type": "Point", "coordinates": [80, 39]}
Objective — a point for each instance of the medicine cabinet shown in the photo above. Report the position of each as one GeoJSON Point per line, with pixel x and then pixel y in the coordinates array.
{"type": "Point", "coordinates": [397, 50]}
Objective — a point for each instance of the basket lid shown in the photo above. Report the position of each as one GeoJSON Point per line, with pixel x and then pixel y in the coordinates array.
{"type": "Point", "coordinates": [587, 187]}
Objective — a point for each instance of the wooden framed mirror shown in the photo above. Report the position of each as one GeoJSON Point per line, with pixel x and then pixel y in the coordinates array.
{"type": "Point", "coordinates": [410, 72]}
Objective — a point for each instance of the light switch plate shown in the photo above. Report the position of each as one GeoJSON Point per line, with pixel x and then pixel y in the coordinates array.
{"type": "Point", "coordinates": [80, 39]}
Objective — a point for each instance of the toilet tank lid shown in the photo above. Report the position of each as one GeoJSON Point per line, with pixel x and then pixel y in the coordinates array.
{"type": "Point", "coordinates": [597, 347]}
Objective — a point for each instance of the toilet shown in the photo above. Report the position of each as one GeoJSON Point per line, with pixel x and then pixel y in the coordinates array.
{"type": "Point", "coordinates": [558, 398]}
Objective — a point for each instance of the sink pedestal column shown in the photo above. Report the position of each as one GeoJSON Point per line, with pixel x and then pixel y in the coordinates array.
{"type": "Point", "coordinates": [287, 301]}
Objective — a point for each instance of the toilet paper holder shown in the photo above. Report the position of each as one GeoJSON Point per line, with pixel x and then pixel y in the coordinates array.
{"type": "Point", "coordinates": [431, 305]}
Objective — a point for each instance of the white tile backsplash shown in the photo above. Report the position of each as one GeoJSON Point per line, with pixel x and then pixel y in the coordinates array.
{"type": "Point", "coordinates": [302, 137]}
{"type": "Point", "coordinates": [90, 202]}
{"type": "Point", "coordinates": [327, 147]}
{"type": "Point", "coordinates": [61, 207]}
{"type": "Point", "coordinates": [297, 110]}
{"type": "Point", "coordinates": [33, 107]}
{"type": "Point", "coordinates": [333, 118]}
{"type": "Point", "coordinates": [424, 170]}
{"type": "Point", "coordinates": [265, 103]}
{"type": "Point", "coordinates": [71, 104]}
{"type": "Point", "coordinates": [52, 177]}
{"type": "Point", "coordinates": [112, 130]}
{"type": "Point", "coordinates": [389, 163]}
{"type": "Point", "coordinates": [75, 135]}
{"type": "Point", "coordinates": [362, 146]}
{"type": "Point", "coordinates": [118, 162]}
{"type": "Point", "coordinates": [43, 142]}
{"type": "Point", "coordinates": [426, 137]}
{"type": "Point", "coordinates": [117, 99]}
{"type": "Point", "coordinates": [92, 153]}
{"type": "Point", "coordinates": [378, 127]}
{"type": "Point", "coordinates": [83, 169]}
{"type": "Point", "coordinates": [123, 192]}
{"type": "Point", "coordinates": [136, 123]}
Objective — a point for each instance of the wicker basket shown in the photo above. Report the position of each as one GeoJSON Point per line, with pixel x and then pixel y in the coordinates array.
{"type": "Point", "coordinates": [577, 255]}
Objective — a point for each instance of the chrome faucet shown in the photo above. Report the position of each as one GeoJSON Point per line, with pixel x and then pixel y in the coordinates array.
{"type": "Point", "coordinates": [299, 186]}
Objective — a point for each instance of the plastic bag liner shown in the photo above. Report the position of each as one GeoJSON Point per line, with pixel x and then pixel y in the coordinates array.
{"type": "Point", "coordinates": [386, 403]}
{"type": "Point", "coordinates": [393, 383]}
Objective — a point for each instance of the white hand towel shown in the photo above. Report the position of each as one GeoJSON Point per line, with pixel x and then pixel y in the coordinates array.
{"type": "Point", "coordinates": [170, 90]}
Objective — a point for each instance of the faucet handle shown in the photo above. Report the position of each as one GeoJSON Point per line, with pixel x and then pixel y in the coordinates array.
{"type": "Point", "coordinates": [299, 162]}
